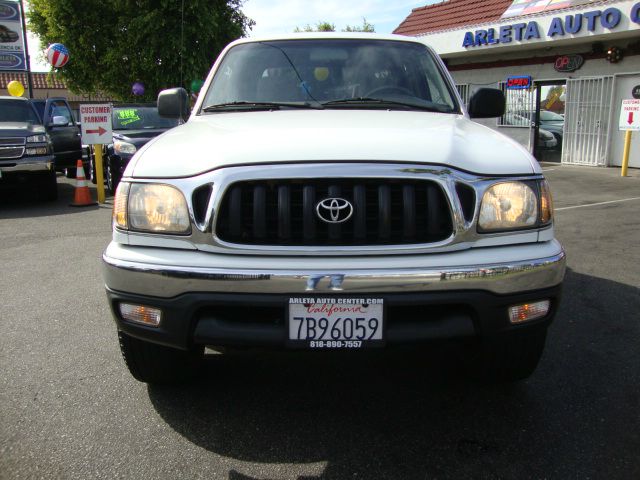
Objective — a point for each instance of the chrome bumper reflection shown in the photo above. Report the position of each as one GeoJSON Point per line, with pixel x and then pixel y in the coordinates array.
{"type": "Point", "coordinates": [27, 166]}
{"type": "Point", "coordinates": [168, 281]}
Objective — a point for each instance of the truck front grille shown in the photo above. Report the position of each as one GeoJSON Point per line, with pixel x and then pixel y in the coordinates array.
{"type": "Point", "coordinates": [7, 153]}
{"type": "Point", "coordinates": [288, 212]}
{"type": "Point", "coordinates": [12, 141]}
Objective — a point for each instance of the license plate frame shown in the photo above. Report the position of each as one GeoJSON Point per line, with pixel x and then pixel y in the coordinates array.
{"type": "Point", "coordinates": [337, 311]}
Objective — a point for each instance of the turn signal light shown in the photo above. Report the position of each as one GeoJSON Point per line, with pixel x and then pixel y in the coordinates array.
{"type": "Point", "coordinates": [120, 218]}
{"type": "Point", "coordinates": [529, 311]}
{"type": "Point", "coordinates": [141, 314]}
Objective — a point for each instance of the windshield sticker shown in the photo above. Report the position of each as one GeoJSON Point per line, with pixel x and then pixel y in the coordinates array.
{"type": "Point", "coordinates": [128, 116]}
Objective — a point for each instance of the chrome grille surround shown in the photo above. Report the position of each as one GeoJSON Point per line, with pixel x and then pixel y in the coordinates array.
{"type": "Point", "coordinates": [204, 238]}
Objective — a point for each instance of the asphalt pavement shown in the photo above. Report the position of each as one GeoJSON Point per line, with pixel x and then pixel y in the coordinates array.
{"type": "Point", "coordinates": [69, 409]}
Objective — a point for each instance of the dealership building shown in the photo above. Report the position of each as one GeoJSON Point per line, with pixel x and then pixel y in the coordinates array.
{"type": "Point", "coordinates": [565, 67]}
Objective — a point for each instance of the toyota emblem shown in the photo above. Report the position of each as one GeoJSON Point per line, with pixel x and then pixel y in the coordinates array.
{"type": "Point", "coordinates": [334, 210]}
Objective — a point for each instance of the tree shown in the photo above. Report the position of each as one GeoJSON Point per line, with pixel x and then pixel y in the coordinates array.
{"type": "Point", "coordinates": [320, 27]}
{"type": "Point", "coordinates": [365, 27]}
{"type": "Point", "coordinates": [115, 43]}
{"type": "Point", "coordinates": [331, 27]}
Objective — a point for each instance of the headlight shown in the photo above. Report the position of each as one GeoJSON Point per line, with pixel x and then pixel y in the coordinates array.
{"type": "Point", "coordinates": [41, 138]}
{"type": "Point", "coordinates": [121, 147]}
{"type": "Point", "coordinates": [151, 207]}
{"type": "Point", "coordinates": [38, 151]}
{"type": "Point", "coordinates": [508, 206]}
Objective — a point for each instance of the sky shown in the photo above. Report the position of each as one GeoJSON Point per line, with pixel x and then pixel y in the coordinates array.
{"type": "Point", "coordinates": [283, 16]}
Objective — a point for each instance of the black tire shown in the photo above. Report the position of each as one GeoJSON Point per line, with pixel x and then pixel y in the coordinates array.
{"type": "Point", "coordinates": [48, 186]}
{"type": "Point", "coordinates": [92, 172]}
{"type": "Point", "coordinates": [157, 364]}
{"type": "Point", "coordinates": [506, 358]}
{"type": "Point", "coordinates": [70, 172]}
{"type": "Point", "coordinates": [113, 179]}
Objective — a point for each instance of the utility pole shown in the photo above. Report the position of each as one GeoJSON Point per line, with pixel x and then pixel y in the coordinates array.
{"type": "Point", "coordinates": [26, 48]}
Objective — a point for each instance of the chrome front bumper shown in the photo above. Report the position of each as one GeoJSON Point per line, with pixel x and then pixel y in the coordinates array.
{"type": "Point", "coordinates": [167, 273]}
{"type": "Point", "coordinates": [32, 165]}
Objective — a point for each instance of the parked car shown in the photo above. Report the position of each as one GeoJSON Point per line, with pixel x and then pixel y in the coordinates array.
{"type": "Point", "coordinates": [550, 121]}
{"type": "Point", "coordinates": [331, 192]}
{"type": "Point", "coordinates": [133, 126]}
{"type": "Point", "coordinates": [36, 139]}
{"type": "Point", "coordinates": [58, 119]}
{"type": "Point", "coordinates": [554, 123]}
{"type": "Point", "coordinates": [546, 140]}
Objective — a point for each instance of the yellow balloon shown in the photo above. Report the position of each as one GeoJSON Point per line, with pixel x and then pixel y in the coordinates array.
{"type": "Point", "coordinates": [321, 73]}
{"type": "Point", "coordinates": [15, 88]}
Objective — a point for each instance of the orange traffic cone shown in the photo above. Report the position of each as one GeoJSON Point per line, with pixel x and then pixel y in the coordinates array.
{"type": "Point", "coordinates": [82, 196]}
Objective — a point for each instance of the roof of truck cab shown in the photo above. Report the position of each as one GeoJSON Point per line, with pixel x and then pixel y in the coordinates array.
{"type": "Point", "coordinates": [328, 36]}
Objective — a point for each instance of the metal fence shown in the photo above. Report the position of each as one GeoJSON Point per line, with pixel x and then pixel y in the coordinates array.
{"type": "Point", "coordinates": [587, 121]}
{"type": "Point", "coordinates": [463, 90]}
{"type": "Point", "coordinates": [520, 107]}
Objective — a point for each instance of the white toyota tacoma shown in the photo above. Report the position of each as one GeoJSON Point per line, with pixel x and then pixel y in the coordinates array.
{"type": "Point", "coordinates": [330, 191]}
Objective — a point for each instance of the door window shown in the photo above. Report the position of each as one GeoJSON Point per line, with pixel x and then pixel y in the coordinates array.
{"type": "Point", "coordinates": [60, 109]}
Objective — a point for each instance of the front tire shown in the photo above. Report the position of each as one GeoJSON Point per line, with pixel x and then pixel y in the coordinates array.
{"type": "Point", "coordinates": [157, 364]}
{"type": "Point", "coordinates": [48, 186]}
{"type": "Point", "coordinates": [113, 178]}
{"type": "Point", "coordinates": [92, 172]}
{"type": "Point", "coordinates": [508, 357]}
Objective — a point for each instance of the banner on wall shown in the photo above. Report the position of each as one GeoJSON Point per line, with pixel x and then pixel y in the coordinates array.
{"type": "Point", "coordinates": [527, 7]}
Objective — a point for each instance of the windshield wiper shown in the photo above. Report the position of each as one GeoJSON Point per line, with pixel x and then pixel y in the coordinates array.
{"type": "Point", "coordinates": [244, 105]}
{"type": "Point", "coordinates": [384, 102]}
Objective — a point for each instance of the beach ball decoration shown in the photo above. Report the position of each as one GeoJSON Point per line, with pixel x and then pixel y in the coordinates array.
{"type": "Point", "coordinates": [137, 88]}
{"type": "Point", "coordinates": [57, 55]}
{"type": "Point", "coordinates": [15, 88]}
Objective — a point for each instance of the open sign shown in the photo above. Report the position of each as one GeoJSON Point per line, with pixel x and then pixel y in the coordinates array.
{"type": "Point", "coordinates": [568, 63]}
{"type": "Point", "coordinates": [519, 83]}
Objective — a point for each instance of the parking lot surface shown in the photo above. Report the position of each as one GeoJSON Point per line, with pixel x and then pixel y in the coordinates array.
{"type": "Point", "coordinates": [69, 408]}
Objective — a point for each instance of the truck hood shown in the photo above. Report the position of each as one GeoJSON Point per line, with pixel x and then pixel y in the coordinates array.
{"type": "Point", "coordinates": [218, 140]}
{"type": "Point", "coordinates": [20, 129]}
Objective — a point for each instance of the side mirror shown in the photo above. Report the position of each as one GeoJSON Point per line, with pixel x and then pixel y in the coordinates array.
{"type": "Point", "coordinates": [487, 103]}
{"type": "Point", "coordinates": [173, 103]}
{"type": "Point", "coordinates": [59, 121]}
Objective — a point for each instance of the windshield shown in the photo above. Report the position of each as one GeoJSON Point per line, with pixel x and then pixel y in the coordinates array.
{"type": "Point", "coordinates": [17, 111]}
{"type": "Point", "coordinates": [138, 118]}
{"type": "Point", "coordinates": [320, 71]}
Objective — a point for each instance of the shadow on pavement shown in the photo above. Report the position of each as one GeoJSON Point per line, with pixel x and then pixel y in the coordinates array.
{"type": "Point", "coordinates": [23, 201]}
{"type": "Point", "coordinates": [406, 414]}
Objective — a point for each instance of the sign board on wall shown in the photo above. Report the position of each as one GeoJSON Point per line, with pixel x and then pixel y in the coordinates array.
{"type": "Point", "coordinates": [520, 82]}
{"type": "Point", "coordinates": [630, 114]}
{"type": "Point", "coordinates": [568, 63]}
{"type": "Point", "coordinates": [96, 124]}
{"type": "Point", "coordinates": [12, 55]}
{"type": "Point", "coordinates": [562, 26]}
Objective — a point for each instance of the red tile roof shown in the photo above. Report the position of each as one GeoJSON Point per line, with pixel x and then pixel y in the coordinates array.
{"type": "Point", "coordinates": [451, 14]}
{"type": "Point", "coordinates": [45, 86]}
{"type": "Point", "coordinates": [39, 80]}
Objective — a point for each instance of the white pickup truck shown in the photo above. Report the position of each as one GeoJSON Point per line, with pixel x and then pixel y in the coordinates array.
{"type": "Point", "coordinates": [330, 191]}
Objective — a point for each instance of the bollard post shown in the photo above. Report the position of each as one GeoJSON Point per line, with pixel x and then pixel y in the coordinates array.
{"type": "Point", "coordinates": [625, 155]}
{"type": "Point", "coordinates": [97, 150]}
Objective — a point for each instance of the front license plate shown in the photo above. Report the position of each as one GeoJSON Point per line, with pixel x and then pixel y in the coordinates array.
{"type": "Point", "coordinates": [336, 322]}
